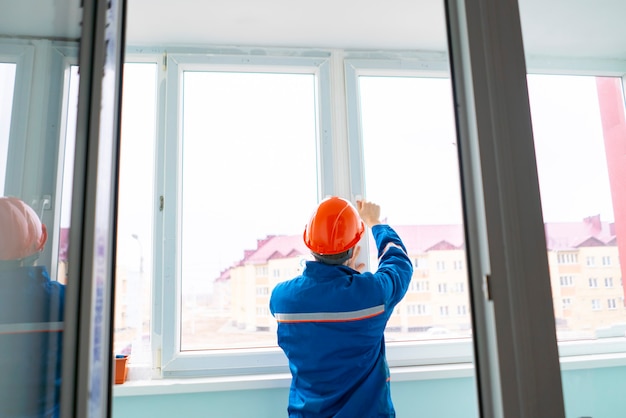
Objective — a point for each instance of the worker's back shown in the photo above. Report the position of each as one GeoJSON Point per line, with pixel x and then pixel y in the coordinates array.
{"type": "Point", "coordinates": [331, 323]}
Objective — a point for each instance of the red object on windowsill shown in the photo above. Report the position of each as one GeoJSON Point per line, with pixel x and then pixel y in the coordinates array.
{"type": "Point", "coordinates": [121, 369]}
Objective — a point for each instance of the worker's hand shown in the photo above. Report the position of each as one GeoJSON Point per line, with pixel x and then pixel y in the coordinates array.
{"type": "Point", "coordinates": [369, 212]}
{"type": "Point", "coordinates": [352, 262]}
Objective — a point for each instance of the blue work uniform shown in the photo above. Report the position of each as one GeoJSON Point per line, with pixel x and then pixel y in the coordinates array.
{"type": "Point", "coordinates": [331, 323]}
{"type": "Point", "coordinates": [31, 323]}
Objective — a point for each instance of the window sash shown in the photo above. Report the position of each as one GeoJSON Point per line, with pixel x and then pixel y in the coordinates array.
{"type": "Point", "coordinates": [166, 328]}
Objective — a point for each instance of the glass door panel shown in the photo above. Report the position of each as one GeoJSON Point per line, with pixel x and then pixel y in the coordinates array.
{"type": "Point", "coordinates": [576, 98]}
{"type": "Point", "coordinates": [37, 116]}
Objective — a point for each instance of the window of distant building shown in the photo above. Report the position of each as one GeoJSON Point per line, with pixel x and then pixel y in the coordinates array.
{"type": "Point", "coordinates": [593, 282]}
{"type": "Point", "coordinates": [596, 305]}
{"type": "Point", "coordinates": [420, 263]}
{"type": "Point", "coordinates": [417, 309]}
{"type": "Point", "coordinates": [566, 280]}
{"type": "Point", "coordinates": [458, 287]}
{"type": "Point", "coordinates": [567, 258]}
{"type": "Point", "coordinates": [612, 303]}
{"type": "Point", "coordinates": [608, 282]}
{"type": "Point", "coordinates": [417, 286]}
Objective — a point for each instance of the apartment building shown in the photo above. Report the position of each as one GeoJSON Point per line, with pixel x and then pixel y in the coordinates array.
{"type": "Point", "coordinates": [586, 279]}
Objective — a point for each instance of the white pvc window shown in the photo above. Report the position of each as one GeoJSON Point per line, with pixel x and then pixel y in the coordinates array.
{"type": "Point", "coordinates": [246, 146]}
{"type": "Point", "coordinates": [406, 124]}
{"type": "Point", "coordinates": [208, 320]}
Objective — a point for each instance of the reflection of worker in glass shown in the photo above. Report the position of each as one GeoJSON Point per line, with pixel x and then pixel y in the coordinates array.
{"type": "Point", "coordinates": [31, 317]}
{"type": "Point", "coordinates": [331, 319]}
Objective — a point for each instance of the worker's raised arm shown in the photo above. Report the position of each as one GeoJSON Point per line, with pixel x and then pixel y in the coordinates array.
{"type": "Point", "coordinates": [369, 212]}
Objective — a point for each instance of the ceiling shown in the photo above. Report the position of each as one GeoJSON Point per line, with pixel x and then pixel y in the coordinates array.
{"type": "Point", "coordinates": [565, 28]}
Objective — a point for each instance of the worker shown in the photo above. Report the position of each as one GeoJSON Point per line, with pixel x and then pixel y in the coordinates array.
{"type": "Point", "coordinates": [331, 318]}
{"type": "Point", "coordinates": [31, 317]}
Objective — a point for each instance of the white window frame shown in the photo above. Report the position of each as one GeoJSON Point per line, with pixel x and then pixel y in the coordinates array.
{"type": "Point", "coordinates": [22, 55]}
{"type": "Point", "coordinates": [611, 303]}
{"type": "Point", "coordinates": [434, 65]}
{"type": "Point", "coordinates": [341, 178]}
{"type": "Point", "coordinates": [170, 361]}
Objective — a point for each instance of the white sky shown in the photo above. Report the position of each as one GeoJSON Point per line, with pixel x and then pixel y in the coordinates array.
{"type": "Point", "coordinates": [249, 163]}
{"type": "Point", "coordinates": [569, 147]}
{"type": "Point", "coordinates": [411, 163]}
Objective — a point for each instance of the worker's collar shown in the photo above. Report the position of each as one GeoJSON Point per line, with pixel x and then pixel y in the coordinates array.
{"type": "Point", "coordinates": [322, 271]}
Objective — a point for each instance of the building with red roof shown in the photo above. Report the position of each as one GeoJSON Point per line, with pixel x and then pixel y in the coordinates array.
{"type": "Point", "coordinates": [583, 261]}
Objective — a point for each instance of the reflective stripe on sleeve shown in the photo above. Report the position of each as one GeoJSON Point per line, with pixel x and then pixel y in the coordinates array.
{"type": "Point", "coordinates": [391, 244]}
{"type": "Point", "coordinates": [31, 327]}
{"type": "Point", "coordinates": [331, 316]}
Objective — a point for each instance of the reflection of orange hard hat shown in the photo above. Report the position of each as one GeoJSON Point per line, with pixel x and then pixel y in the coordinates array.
{"type": "Point", "coordinates": [334, 227]}
{"type": "Point", "coordinates": [21, 232]}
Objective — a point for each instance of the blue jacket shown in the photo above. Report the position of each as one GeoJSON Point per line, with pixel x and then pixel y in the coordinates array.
{"type": "Point", "coordinates": [31, 320]}
{"type": "Point", "coordinates": [331, 323]}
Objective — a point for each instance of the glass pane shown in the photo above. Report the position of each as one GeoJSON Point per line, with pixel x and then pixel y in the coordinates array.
{"type": "Point", "coordinates": [7, 81]}
{"type": "Point", "coordinates": [575, 59]}
{"type": "Point", "coordinates": [34, 136]}
{"type": "Point", "coordinates": [580, 139]}
{"type": "Point", "coordinates": [579, 130]}
{"type": "Point", "coordinates": [409, 133]}
{"type": "Point", "coordinates": [249, 181]}
{"type": "Point", "coordinates": [133, 273]}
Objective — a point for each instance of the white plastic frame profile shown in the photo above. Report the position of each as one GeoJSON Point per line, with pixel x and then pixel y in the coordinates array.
{"type": "Point", "coordinates": [169, 361]}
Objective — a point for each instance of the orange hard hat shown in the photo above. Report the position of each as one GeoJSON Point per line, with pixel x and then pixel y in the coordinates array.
{"type": "Point", "coordinates": [21, 232]}
{"type": "Point", "coordinates": [335, 227]}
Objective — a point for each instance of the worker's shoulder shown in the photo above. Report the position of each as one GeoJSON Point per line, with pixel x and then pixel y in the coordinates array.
{"type": "Point", "coordinates": [287, 285]}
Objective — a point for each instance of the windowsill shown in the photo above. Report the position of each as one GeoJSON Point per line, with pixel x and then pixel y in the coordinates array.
{"type": "Point", "coordinates": [282, 380]}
